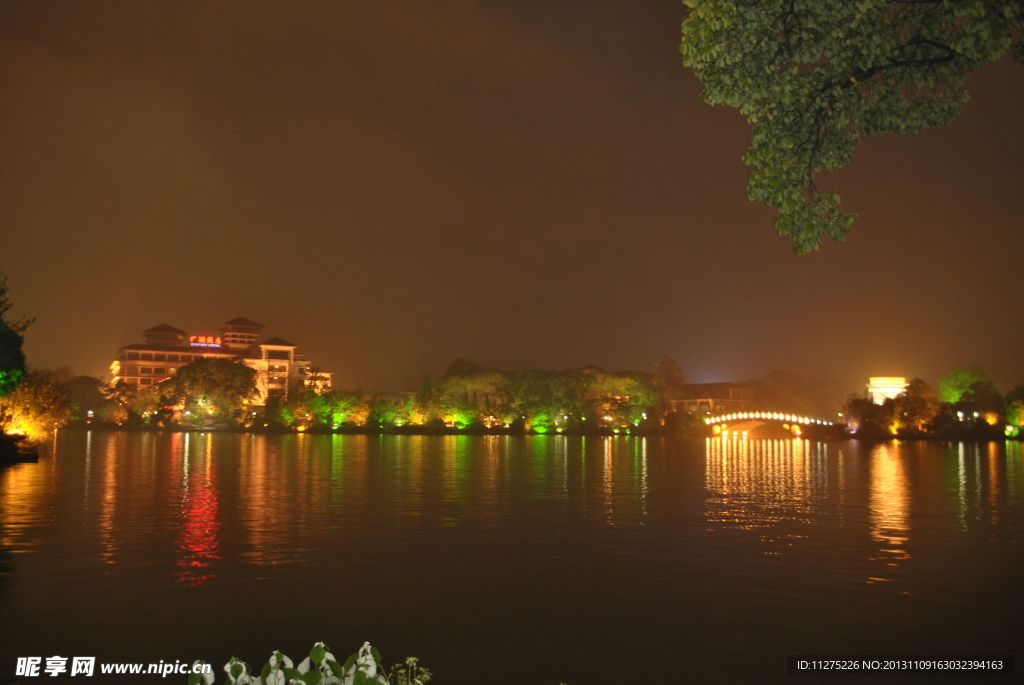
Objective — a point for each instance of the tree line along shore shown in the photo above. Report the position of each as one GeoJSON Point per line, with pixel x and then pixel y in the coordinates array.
{"type": "Point", "coordinates": [222, 394]}
{"type": "Point", "coordinates": [211, 394]}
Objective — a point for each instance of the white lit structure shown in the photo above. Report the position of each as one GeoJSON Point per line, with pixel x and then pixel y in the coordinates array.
{"type": "Point", "coordinates": [166, 349]}
{"type": "Point", "coordinates": [882, 388]}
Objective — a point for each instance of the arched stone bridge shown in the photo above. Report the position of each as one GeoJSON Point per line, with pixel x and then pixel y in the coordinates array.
{"type": "Point", "coordinates": [767, 424]}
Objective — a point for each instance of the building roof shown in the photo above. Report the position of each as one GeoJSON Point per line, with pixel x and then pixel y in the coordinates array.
{"type": "Point", "coordinates": [278, 342]}
{"type": "Point", "coordinates": [242, 321]}
{"type": "Point", "coordinates": [163, 328]}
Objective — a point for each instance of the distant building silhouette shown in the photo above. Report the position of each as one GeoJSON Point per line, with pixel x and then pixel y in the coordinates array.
{"type": "Point", "coordinates": [712, 398]}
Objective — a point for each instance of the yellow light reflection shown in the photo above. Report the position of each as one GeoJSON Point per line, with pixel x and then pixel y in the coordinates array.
{"type": "Point", "coordinates": [758, 484]}
{"type": "Point", "coordinates": [889, 505]}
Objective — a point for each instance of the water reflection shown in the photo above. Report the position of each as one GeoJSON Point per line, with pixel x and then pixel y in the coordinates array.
{"type": "Point", "coordinates": [108, 499]}
{"type": "Point", "coordinates": [259, 482]}
{"type": "Point", "coordinates": [197, 543]}
{"type": "Point", "coordinates": [756, 484]}
{"type": "Point", "coordinates": [25, 493]}
{"type": "Point", "coordinates": [611, 485]}
{"type": "Point", "coordinates": [6, 566]}
{"type": "Point", "coordinates": [987, 476]}
{"type": "Point", "coordinates": [274, 499]}
{"type": "Point", "coordinates": [1014, 472]}
{"type": "Point", "coordinates": [889, 506]}
{"type": "Point", "coordinates": [608, 476]}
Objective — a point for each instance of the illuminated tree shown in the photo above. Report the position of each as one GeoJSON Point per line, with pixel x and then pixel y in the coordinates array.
{"type": "Point", "coordinates": [349, 407]}
{"type": "Point", "coordinates": [37, 407]}
{"type": "Point", "coordinates": [1015, 413]}
{"type": "Point", "coordinates": [86, 394]}
{"type": "Point", "coordinates": [540, 400]}
{"type": "Point", "coordinates": [615, 400]}
{"type": "Point", "coordinates": [389, 411]}
{"type": "Point", "coordinates": [869, 420]}
{"type": "Point", "coordinates": [316, 406]}
{"type": "Point", "coordinates": [1014, 407]}
{"type": "Point", "coordinates": [147, 406]}
{"type": "Point", "coordinates": [953, 386]}
{"type": "Point", "coordinates": [916, 407]}
{"type": "Point", "coordinates": [814, 77]}
{"type": "Point", "coordinates": [214, 388]}
{"type": "Point", "coordinates": [120, 397]}
{"type": "Point", "coordinates": [982, 401]}
{"type": "Point", "coordinates": [465, 399]}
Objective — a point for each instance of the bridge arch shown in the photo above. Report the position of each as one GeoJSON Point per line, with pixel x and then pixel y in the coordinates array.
{"type": "Point", "coordinates": [743, 423]}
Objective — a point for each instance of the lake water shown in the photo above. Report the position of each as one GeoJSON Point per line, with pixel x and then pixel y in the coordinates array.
{"type": "Point", "coordinates": [512, 559]}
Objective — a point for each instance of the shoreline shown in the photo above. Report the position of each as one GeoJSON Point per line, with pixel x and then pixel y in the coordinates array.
{"type": "Point", "coordinates": [636, 432]}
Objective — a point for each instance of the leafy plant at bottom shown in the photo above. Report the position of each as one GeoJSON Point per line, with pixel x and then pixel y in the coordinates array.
{"type": "Point", "coordinates": [320, 668]}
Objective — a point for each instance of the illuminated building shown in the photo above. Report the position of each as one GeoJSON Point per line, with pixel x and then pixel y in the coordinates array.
{"type": "Point", "coordinates": [166, 349]}
{"type": "Point", "coordinates": [882, 388]}
{"type": "Point", "coordinates": [712, 398]}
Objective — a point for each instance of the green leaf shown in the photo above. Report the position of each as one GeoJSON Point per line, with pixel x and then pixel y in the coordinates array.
{"type": "Point", "coordinates": [194, 679]}
{"type": "Point", "coordinates": [349, 662]}
{"type": "Point", "coordinates": [291, 673]}
{"type": "Point", "coordinates": [336, 668]}
{"type": "Point", "coordinates": [360, 678]}
{"type": "Point", "coordinates": [312, 677]}
{"type": "Point", "coordinates": [265, 672]}
{"type": "Point", "coordinates": [376, 656]}
{"type": "Point", "coordinates": [316, 655]}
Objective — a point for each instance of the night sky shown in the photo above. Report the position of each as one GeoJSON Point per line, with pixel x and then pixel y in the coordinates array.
{"type": "Point", "coordinates": [531, 184]}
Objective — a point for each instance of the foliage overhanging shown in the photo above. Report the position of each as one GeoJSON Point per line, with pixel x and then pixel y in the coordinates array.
{"type": "Point", "coordinates": [814, 77]}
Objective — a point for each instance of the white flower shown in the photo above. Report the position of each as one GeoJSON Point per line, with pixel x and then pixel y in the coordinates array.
{"type": "Point", "coordinates": [367, 664]}
{"type": "Point", "coordinates": [276, 677]}
{"type": "Point", "coordinates": [238, 672]}
{"type": "Point", "coordinates": [206, 677]}
{"type": "Point", "coordinates": [365, 660]}
{"type": "Point", "coordinates": [278, 660]}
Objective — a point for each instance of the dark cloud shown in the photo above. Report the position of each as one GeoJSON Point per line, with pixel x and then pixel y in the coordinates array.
{"type": "Point", "coordinates": [393, 184]}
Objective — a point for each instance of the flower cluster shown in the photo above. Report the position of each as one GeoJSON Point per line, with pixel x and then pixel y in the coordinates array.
{"type": "Point", "coordinates": [319, 668]}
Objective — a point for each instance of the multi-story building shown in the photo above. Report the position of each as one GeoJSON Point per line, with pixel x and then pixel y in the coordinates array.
{"type": "Point", "coordinates": [166, 349]}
